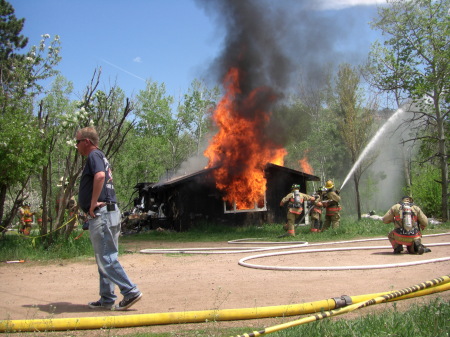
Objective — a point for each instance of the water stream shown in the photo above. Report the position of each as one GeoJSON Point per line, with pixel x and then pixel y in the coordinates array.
{"type": "Point", "coordinates": [373, 142]}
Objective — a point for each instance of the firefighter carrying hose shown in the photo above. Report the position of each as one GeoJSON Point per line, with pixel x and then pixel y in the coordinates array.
{"type": "Point", "coordinates": [408, 220]}
{"type": "Point", "coordinates": [315, 214]}
{"type": "Point", "coordinates": [295, 201]}
{"type": "Point", "coordinates": [331, 201]}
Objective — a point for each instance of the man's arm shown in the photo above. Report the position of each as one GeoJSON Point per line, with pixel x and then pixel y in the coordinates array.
{"type": "Point", "coordinates": [99, 179]}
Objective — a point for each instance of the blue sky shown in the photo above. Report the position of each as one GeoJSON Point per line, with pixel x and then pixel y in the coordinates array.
{"type": "Point", "coordinates": [167, 41]}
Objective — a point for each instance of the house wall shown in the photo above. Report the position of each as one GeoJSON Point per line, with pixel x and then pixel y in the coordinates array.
{"type": "Point", "coordinates": [198, 200]}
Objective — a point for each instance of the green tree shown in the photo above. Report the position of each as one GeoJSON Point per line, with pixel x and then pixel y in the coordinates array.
{"type": "Point", "coordinates": [314, 129]}
{"type": "Point", "coordinates": [414, 63]}
{"type": "Point", "coordinates": [54, 122]}
{"type": "Point", "coordinates": [196, 110]}
{"type": "Point", "coordinates": [20, 76]}
{"type": "Point", "coordinates": [59, 119]}
{"type": "Point", "coordinates": [355, 123]}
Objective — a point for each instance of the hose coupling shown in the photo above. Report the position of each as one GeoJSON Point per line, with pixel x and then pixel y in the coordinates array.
{"type": "Point", "coordinates": [342, 301]}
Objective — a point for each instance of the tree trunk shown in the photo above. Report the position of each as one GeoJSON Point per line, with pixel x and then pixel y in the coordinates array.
{"type": "Point", "coordinates": [443, 158]}
{"type": "Point", "coordinates": [358, 199]}
{"type": "Point", "coordinates": [2, 206]}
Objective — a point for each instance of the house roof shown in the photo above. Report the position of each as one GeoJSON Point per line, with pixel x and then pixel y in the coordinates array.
{"type": "Point", "coordinates": [309, 177]}
{"type": "Point", "coordinates": [189, 177]}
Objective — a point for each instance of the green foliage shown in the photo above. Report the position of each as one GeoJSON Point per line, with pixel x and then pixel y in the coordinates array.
{"type": "Point", "coordinates": [425, 190]}
{"type": "Point", "coordinates": [414, 65]}
{"type": "Point", "coordinates": [35, 247]}
{"type": "Point", "coordinates": [350, 228]}
{"type": "Point", "coordinates": [10, 28]}
{"type": "Point", "coordinates": [162, 140]}
{"type": "Point", "coordinates": [22, 138]}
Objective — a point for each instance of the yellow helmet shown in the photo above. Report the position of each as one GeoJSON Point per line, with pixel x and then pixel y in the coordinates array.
{"type": "Point", "coordinates": [329, 184]}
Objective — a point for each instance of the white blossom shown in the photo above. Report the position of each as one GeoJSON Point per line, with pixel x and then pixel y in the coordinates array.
{"type": "Point", "coordinates": [46, 36]}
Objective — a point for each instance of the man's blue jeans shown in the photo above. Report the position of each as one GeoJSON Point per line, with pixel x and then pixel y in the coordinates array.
{"type": "Point", "coordinates": [104, 233]}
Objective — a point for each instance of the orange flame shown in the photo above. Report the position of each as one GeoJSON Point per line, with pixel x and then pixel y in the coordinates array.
{"type": "Point", "coordinates": [241, 149]}
{"type": "Point", "coordinates": [304, 164]}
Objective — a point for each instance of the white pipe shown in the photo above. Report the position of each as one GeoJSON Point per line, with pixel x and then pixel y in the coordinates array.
{"type": "Point", "coordinates": [298, 244]}
{"type": "Point", "coordinates": [317, 268]}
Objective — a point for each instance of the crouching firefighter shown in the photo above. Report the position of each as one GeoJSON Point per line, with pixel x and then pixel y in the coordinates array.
{"type": "Point", "coordinates": [408, 220]}
{"type": "Point", "coordinates": [295, 201]}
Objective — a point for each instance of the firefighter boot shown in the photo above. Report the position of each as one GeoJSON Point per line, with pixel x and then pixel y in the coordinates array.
{"type": "Point", "coordinates": [398, 249]}
{"type": "Point", "coordinates": [419, 249]}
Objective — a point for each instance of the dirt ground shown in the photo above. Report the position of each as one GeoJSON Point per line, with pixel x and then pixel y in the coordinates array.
{"type": "Point", "coordinates": [194, 282]}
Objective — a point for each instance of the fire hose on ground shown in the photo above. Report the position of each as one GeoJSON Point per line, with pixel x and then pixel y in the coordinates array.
{"type": "Point", "coordinates": [395, 295]}
{"type": "Point", "coordinates": [324, 308]}
{"type": "Point", "coordinates": [86, 323]}
{"type": "Point", "coordinates": [299, 244]}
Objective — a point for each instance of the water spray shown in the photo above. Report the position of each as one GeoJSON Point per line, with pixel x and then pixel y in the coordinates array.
{"type": "Point", "coordinates": [372, 143]}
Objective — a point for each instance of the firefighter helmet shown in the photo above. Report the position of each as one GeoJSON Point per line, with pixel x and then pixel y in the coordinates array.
{"type": "Point", "coordinates": [407, 198]}
{"type": "Point", "coordinates": [295, 187]}
{"type": "Point", "coordinates": [329, 184]}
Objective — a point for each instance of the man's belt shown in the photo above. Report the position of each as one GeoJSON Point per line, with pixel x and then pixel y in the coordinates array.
{"type": "Point", "coordinates": [111, 206]}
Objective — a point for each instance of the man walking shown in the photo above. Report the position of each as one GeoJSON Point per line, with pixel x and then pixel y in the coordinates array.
{"type": "Point", "coordinates": [97, 199]}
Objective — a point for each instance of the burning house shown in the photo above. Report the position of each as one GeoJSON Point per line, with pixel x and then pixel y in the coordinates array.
{"type": "Point", "coordinates": [237, 186]}
{"type": "Point", "coordinates": [181, 202]}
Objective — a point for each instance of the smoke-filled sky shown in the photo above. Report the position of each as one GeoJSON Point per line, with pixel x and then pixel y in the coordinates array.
{"type": "Point", "coordinates": [274, 40]}
{"type": "Point", "coordinates": [174, 41]}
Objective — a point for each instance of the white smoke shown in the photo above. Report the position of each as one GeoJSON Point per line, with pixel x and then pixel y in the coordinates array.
{"type": "Point", "coordinates": [394, 159]}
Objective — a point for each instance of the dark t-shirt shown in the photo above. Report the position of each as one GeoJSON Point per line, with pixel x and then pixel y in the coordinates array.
{"type": "Point", "coordinates": [96, 162]}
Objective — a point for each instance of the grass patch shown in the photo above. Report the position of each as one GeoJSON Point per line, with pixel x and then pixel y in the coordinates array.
{"type": "Point", "coordinates": [349, 229]}
{"type": "Point", "coordinates": [35, 247]}
{"type": "Point", "coordinates": [424, 320]}
{"type": "Point", "coordinates": [38, 248]}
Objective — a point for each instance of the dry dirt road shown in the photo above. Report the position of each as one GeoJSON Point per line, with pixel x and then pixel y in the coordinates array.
{"type": "Point", "coordinates": [194, 282]}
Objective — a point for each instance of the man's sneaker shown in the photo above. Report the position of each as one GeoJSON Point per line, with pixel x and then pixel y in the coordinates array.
{"type": "Point", "coordinates": [398, 249]}
{"type": "Point", "coordinates": [426, 250]}
{"type": "Point", "coordinates": [99, 305]}
{"type": "Point", "coordinates": [125, 304]}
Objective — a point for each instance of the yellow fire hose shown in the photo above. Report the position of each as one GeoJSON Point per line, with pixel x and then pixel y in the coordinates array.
{"type": "Point", "coordinates": [107, 322]}
{"type": "Point", "coordinates": [441, 282]}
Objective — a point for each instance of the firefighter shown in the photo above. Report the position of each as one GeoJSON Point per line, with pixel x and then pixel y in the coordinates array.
{"type": "Point", "coordinates": [295, 201]}
{"type": "Point", "coordinates": [331, 201]}
{"type": "Point", "coordinates": [27, 217]}
{"type": "Point", "coordinates": [20, 215]}
{"type": "Point", "coordinates": [39, 216]}
{"type": "Point", "coordinates": [315, 213]}
{"type": "Point", "coordinates": [409, 221]}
